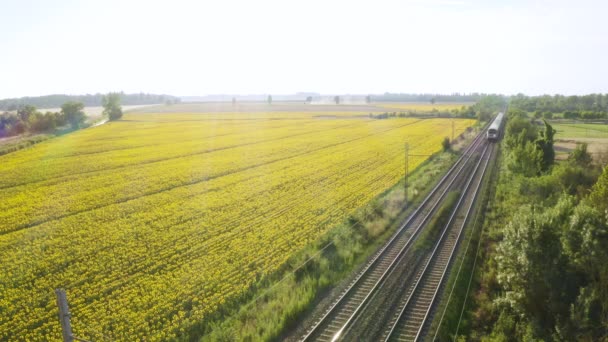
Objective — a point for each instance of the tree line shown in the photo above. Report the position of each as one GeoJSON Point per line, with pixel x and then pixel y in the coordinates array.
{"type": "Point", "coordinates": [483, 110]}
{"type": "Point", "coordinates": [545, 264]}
{"type": "Point", "coordinates": [591, 106]}
{"type": "Point", "coordinates": [27, 118]}
{"type": "Point", "coordinates": [405, 97]}
{"type": "Point", "coordinates": [89, 100]}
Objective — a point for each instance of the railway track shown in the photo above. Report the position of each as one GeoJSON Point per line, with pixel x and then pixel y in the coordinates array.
{"type": "Point", "coordinates": [410, 322]}
{"type": "Point", "coordinates": [342, 312]}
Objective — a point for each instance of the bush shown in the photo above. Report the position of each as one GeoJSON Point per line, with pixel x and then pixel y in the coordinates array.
{"type": "Point", "coordinates": [74, 113]}
{"type": "Point", "coordinates": [580, 155]}
{"type": "Point", "coordinates": [571, 115]}
{"type": "Point", "coordinates": [446, 144]}
{"type": "Point", "coordinates": [432, 232]}
{"type": "Point", "coordinates": [111, 106]}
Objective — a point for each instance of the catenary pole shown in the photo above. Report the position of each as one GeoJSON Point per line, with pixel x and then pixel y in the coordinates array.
{"type": "Point", "coordinates": [64, 315]}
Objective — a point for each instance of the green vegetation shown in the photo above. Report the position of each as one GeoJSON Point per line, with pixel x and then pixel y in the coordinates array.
{"type": "Point", "coordinates": [487, 106]}
{"type": "Point", "coordinates": [446, 144]}
{"type": "Point", "coordinates": [580, 156]}
{"type": "Point", "coordinates": [111, 106]}
{"type": "Point", "coordinates": [431, 234]}
{"type": "Point", "coordinates": [401, 97]}
{"type": "Point", "coordinates": [483, 110]}
{"type": "Point", "coordinates": [23, 142]}
{"type": "Point", "coordinates": [592, 106]}
{"type": "Point", "coordinates": [581, 130]}
{"type": "Point", "coordinates": [89, 100]}
{"type": "Point", "coordinates": [74, 113]}
{"type": "Point", "coordinates": [29, 120]}
{"type": "Point", "coordinates": [37, 126]}
{"type": "Point", "coordinates": [545, 246]}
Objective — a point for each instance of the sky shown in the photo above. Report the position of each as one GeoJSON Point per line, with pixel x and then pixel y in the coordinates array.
{"type": "Point", "coordinates": [188, 47]}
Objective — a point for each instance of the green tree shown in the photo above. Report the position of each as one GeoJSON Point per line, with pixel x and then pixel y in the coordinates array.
{"type": "Point", "coordinates": [42, 122]}
{"type": "Point", "coordinates": [25, 112]}
{"type": "Point", "coordinates": [19, 127]}
{"type": "Point", "coordinates": [517, 113]}
{"type": "Point", "coordinates": [599, 193]}
{"type": "Point", "coordinates": [446, 144]}
{"type": "Point", "coordinates": [515, 126]}
{"type": "Point", "coordinates": [580, 155]}
{"type": "Point", "coordinates": [483, 115]}
{"type": "Point", "coordinates": [487, 106]}
{"type": "Point", "coordinates": [545, 143]}
{"type": "Point", "coordinates": [74, 113]}
{"type": "Point", "coordinates": [533, 270]}
{"type": "Point", "coordinates": [111, 106]}
{"type": "Point", "coordinates": [524, 158]}
{"type": "Point", "coordinates": [585, 241]}
{"type": "Point", "coordinates": [573, 179]}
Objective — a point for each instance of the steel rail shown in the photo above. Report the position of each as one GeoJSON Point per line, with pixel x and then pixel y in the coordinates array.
{"type": "Point", "coordinates": [427, 270]}
{"type": "Point", "coordinates": [459, 165]}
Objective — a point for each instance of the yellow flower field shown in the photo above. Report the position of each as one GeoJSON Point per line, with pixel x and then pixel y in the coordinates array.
{"type": "Point", "coordinates": [153, 222]}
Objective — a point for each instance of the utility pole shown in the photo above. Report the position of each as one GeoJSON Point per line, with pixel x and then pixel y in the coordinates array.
{"type": "Point", "coordinates": [64, 315]}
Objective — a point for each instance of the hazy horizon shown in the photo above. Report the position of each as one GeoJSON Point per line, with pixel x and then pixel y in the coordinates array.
{"type": "Point", "coordinates": [186, 48]}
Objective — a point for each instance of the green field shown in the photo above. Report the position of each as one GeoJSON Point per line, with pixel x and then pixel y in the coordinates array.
{"type": "Point", "coordinates": [581, 131]}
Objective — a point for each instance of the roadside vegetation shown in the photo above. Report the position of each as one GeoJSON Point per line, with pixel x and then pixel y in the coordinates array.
{"type": "Point", "coordinates": [431, 234]}
{"type": "Point", "coordinates": [17, 143]}
{"type": "Point", "coordinates": [544, 255]}
{"type": "Point", "coordinates": [29, 120]}
{"type": "Point", "coordinates": [28, 126]}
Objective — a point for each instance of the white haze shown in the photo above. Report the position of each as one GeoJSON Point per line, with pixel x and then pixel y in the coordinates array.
{"type": "Point", "coordinates": [280, 47]}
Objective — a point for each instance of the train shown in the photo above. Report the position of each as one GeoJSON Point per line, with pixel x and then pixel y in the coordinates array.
{"type": "Point", "coordinates": [494, 131]}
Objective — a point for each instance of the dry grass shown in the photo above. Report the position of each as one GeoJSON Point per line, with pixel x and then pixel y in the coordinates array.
{"type": "Point", "coordinates": [597, 147]}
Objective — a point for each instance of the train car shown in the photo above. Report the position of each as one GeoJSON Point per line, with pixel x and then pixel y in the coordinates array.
{"type": "Point", "coordinates": [494, 130]}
